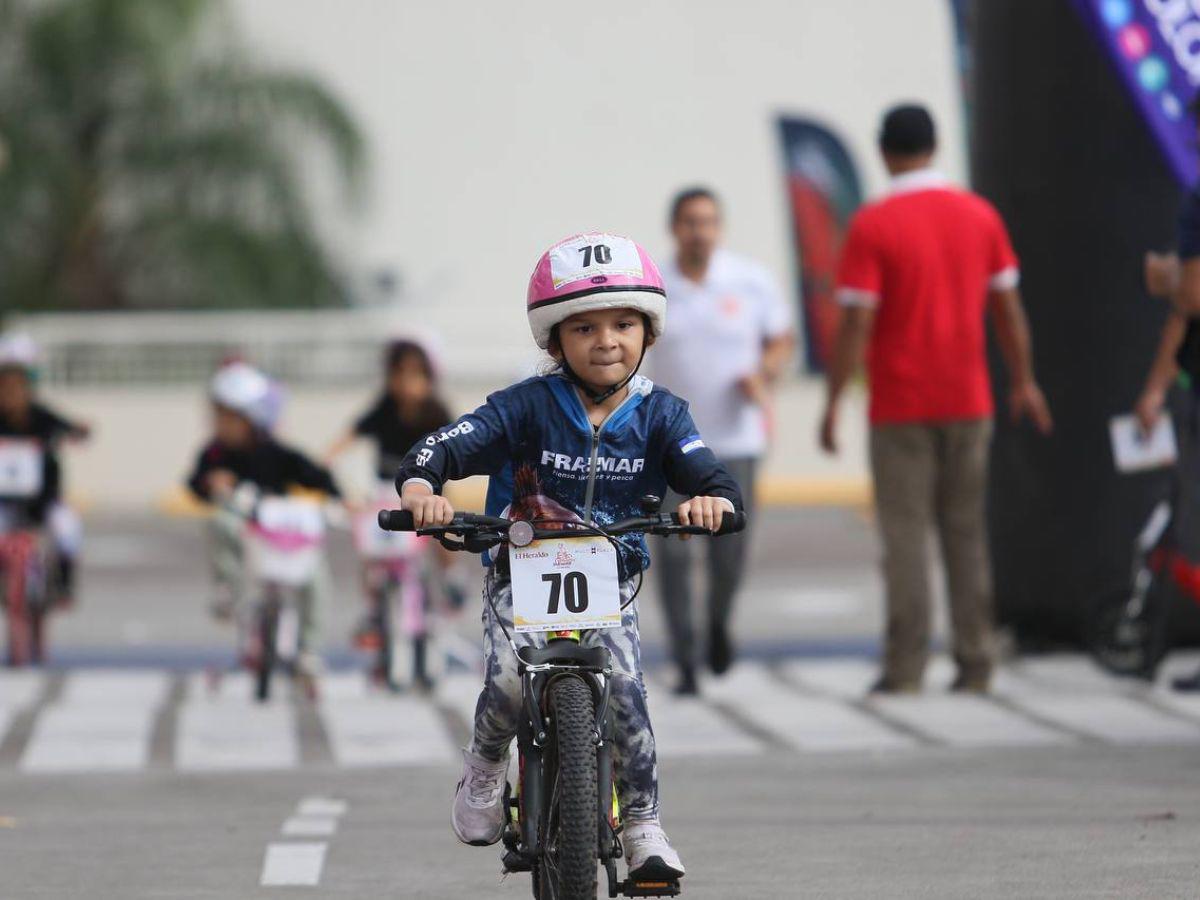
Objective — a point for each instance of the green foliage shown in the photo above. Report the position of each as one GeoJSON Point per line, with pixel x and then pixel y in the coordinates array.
{"type": "Point", "coordinates": [149, 165]}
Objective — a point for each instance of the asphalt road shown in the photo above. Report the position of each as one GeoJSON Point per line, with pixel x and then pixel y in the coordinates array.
{"type": "Point", "coordinates": [125, 772]}
{"type": "Point", "coordinates": [1029, 824]}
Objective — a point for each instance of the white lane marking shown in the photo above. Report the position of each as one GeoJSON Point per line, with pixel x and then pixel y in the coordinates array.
{"type": "Point", "coordinates": [847, 678]}
{"type": "Point", "coordinates": [309, 826]}
{"type": "Point", "coordinates": [1186, 704]}
{"type": "Point", "coordinates": [1120, 720]}
{"type": "Point", "coordinates": [322, 806]}
{"type": "Point", "coordinates": [687, 726]}
{"type": "Point", "coordinates": [963, 720]}
{"type": "Point", "coordinates": [338, 686]}
{"type": "Point", "coordinates": [385, 730]}
{"type": "Point", "coordinates": [112, 687]}
{"type": "Point", "coordinates": [293, 865]}
{"type": "Point", "coordinates": [235, 734]}
{"type": "Point", "coordinates": [78, 738]}
{"type": "Point", "coordinates": [19, 688]}
{"type": "Point", "coordinates": [808, 723]}
{"type": "Point", "coordinates": [1059, 674]}
{"type": "Point", "coordinates": [460, 691]}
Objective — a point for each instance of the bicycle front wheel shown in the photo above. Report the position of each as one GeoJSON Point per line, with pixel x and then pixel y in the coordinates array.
{"type": "Point", "coordinates": [569, 832]}
{"type": "Point", "coordinates": [1128, 638]}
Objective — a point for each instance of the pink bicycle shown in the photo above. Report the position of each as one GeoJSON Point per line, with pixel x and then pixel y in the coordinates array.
{"type": "Point", "coordinates": [396, 576]}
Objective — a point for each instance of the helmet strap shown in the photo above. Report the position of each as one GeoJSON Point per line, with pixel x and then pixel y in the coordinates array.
{"type": "Point", "coordinates": [598, 397]}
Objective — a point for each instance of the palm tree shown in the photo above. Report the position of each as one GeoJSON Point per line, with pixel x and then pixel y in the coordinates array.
{"type": "Point", "coordinates": [149, 165]}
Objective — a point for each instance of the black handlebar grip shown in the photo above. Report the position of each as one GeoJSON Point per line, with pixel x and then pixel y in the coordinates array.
{"type": "Point", "coordinates": [732, 522]}
{"type": "Point", "coordinates": [396, 520]}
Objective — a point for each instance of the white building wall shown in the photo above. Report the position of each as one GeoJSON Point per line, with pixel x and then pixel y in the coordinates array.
{"type": "Point", "coordinates": [497, 128]}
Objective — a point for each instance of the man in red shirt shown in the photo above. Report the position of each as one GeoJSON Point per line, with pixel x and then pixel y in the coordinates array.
{"type": "Point", "coordinates": [919, 271]}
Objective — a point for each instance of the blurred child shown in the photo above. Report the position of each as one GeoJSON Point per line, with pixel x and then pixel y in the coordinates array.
{"type": "Point", "coordinates": [23, 417]}
{"type": "Point", "coordinates": [242, 450]}
{"type": "Point", "coordinates": [407, 409]}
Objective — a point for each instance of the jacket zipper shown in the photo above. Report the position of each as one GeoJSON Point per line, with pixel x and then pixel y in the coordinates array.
{"type": "Point", "coordinates": [594, 461]}
{"type": "Point", "coordinates": [591, 484]}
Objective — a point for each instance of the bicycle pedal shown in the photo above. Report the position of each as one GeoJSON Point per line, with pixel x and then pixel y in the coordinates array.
{"type": "Point", "coordinates": [516, 862]}
{"type": "Point", "coordinates": [648, 887]}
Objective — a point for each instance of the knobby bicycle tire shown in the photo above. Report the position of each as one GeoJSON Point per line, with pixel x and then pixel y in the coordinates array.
{"type": "Point", "coordinates": [569, 829]}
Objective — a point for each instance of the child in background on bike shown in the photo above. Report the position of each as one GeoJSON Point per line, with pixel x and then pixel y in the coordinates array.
{"type": "Point", "coordinates": [246, 405]}
{"type": "Point", "coordinates": [23, 417]}
{"type": "Point", "coordinates": [406, 410]}
{"type": "Point", "coordinates": [587, 440]}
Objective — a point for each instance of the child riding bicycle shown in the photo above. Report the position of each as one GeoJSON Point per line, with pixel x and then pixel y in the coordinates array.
{"type": "Point", "coordinates": [242, 451]}
{"type": "Point", "coordinates": [22, 420]}
{"type": "Point", "coordinates": [585, 441]}
{"type": "Point", "coordinates": [406, 410]}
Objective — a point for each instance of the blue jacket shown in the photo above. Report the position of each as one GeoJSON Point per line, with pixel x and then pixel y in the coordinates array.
{"type": "Point", "coordinates": [536, 442]}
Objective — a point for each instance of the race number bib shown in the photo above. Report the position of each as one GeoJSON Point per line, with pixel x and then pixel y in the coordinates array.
{"type": "Point", "coordinates": [20, 468]}
{"type": "Point", "coordinates": [594, 256]}
{"type": "Point", "coordinates": [284, 515]}
{"type": "Point", "coordinates": [562, 584]}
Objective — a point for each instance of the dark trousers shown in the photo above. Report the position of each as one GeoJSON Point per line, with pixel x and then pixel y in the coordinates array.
{"type": "Point", "coordinates": [726, 562]}
{"type": "Point", "coordinates": [931, 478]}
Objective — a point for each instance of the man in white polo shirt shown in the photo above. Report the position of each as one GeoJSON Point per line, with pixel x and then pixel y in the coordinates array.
{"type": "Point", "coordinates": [730, 338]}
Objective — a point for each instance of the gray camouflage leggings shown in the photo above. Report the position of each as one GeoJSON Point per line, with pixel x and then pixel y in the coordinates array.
{"type": "Point", "coordinates": [498, 709]}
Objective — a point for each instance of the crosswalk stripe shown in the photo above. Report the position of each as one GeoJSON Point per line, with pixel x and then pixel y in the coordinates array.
{"type": "Point", "coordinates": [687, 726]}
{"type": "Point", "coordinates": [380, 731]}
{"type": "Point", "coordinates": [76, 737]}
{"type": "Point", "coordinates": [1120, 720]}
{"type": "Point", "coordinates": [116, 687]}
{"type": "Point", "coordinates": [102, 721]}
{"type": "Point", "coordinates": [105, 720]}
{"type": "Point", "coordinates": [460, 692]}
{"type": "Point", "coordinates": [804, 722]}
{"type": "Point", "coordinates": [954, 719]}
{"type": "Point", "coordinates": [967, 721]}
{"type": "Point", "coordinates": [20, 688]}
{"type": "Point", "coordinates": [228, 734]}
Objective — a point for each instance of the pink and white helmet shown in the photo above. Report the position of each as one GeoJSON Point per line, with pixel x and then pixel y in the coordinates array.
{"type": "Point", "coordinates": [594, 271]}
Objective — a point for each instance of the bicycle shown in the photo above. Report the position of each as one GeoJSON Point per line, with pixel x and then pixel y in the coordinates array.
{"type": "Point", "coordinates": [396, 577]}
{"type": "Point", "coordinates": [1128, 633]}
{"type": "Point", "coordinates": [283, 537]}
{"type": "Point", "coordinates": [28, 588]}
{"type": "Point", "coordinates": [564, 819]}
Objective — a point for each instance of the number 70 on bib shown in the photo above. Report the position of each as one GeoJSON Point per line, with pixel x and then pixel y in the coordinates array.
{"type": "Point", "coordinates": [565, 584]}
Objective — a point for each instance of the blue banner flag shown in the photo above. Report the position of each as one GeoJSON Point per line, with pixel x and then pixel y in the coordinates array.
{"type": "Point", "coordinates": [1155, 46]}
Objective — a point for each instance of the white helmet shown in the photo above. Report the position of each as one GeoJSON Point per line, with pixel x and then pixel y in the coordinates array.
{"type": "Point", "coordinates": [19, 350]}
{"type": "Point", "coordinates": [244, 389]}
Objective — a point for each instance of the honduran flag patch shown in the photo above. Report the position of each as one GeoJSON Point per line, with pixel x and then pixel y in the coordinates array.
{"type": "Point", "coordinates": [690, 443]}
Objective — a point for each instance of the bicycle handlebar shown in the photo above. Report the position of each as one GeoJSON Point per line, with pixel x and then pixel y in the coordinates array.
{"type": "Point", "coordinates": [469, 523]}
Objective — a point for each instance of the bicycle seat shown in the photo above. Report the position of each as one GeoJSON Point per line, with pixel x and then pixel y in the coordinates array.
{"type": "Point", "coordinates": [564, 652]}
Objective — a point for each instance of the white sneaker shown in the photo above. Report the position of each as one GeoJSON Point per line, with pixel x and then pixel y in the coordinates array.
{"type": "Point", "coordinates": [478, 816]}
{"type": "Point", "coordinates": [649, 853]}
